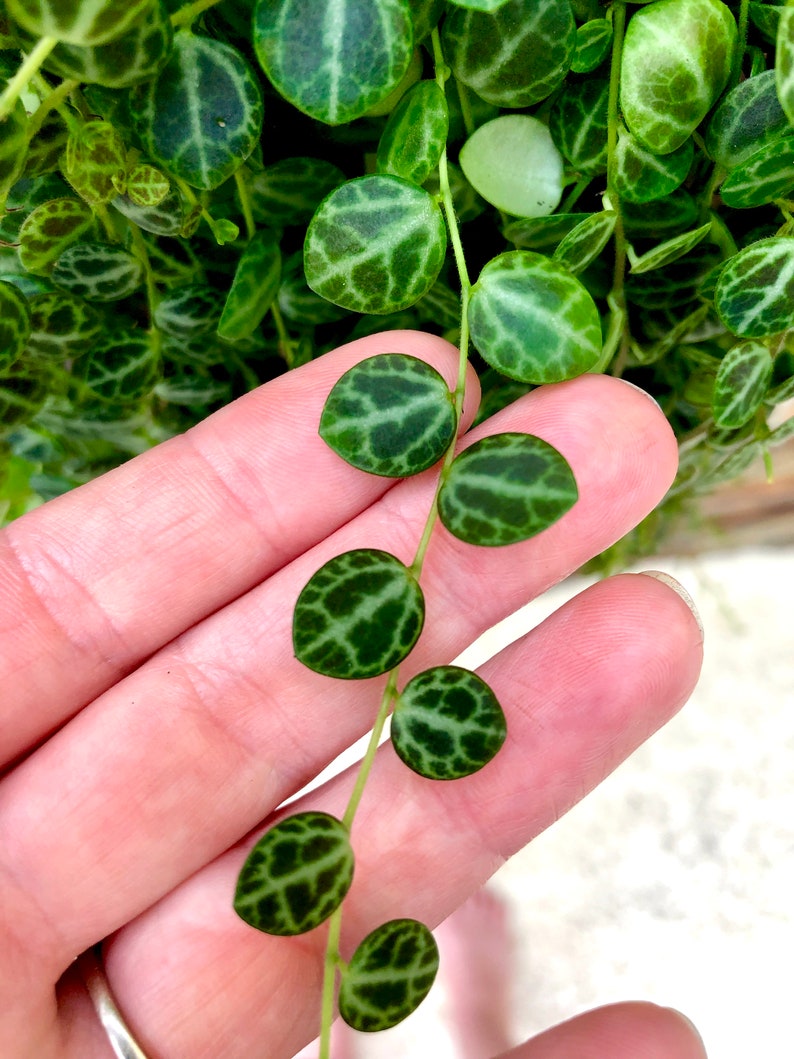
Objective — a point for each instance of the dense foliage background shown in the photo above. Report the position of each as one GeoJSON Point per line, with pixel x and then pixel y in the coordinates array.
{"type": "Point", "coordinates": [624, 167]}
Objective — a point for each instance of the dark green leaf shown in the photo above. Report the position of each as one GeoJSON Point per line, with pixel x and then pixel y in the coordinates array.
{"type": "Point", "coordinates": [741, 384]}
{"type": "Point", "coordinates": [662, 217]}
{"type": "Point", "coordinates": [447, 723]}
{"type": "Point", "coordinates": [121, 366]}
{"type": "Point", "coordinates": [375, 245]}
{"type": "Point", "coordinates": [255, 285]}
{"type": "Point", "coordinates": [641, 176]}
{"type": "Point", "coordinates": [748, 117]}
{"type": "Point", "coordinates": [49, 230]}
{"type": "Point", "coordinates": [289, 191]}
{"type": "Point", "coordinates": [676, 60]}
{"type": "Point", "coordinates": [389, 976]}
{"type": "Point", "coordinates": [675, 284]}
{"type": "Point", "coordinates": [415, 134]}
{"type": "Point", "coordinates": [532, 320]}
{"type": "Point", "coordinates": [135, 55]}
{"type": "Point", "coordinates": [88, 22]}
{"type": "Point", "coordinates": [189, 310]}
{"type": "Point", "coordinates": [514, 164]}
{"type": "Point", "coordinates": [22, 395]}
{"type": "Point", "coordinates": [765, 17]}
{"type": "Point", "coordinates": [578, 124]}
{"type": "Point", "coordinates": [359, 615]}
{"type": "Point", "coordinates": [98, 271]}
{"type": "Point", "coordinates": [593, 44]}
{"type": "Point", "coordinates": [336, 60]}
{"type": "Point", "coordinates": [391, 414]}
{"type": "Point", "coordinates": [584, 243]}
{"type": "Point", "coordinates": [296, 875]}
{"type": "Point", "coordinates": [201, 117]}
{"type": "Point", "coordinates": [514, 56]}
{"type": "Point", "coordinates": [763, 177]}
{"type": "Point", "coordinates": [542, 233]}
{"type": "Point", "coordinates": [14, 325]}
{"type": "Point", "coordinates": [505, 489]}
{"type": "Point", "coordinates": [755, 291]}
{"type": "Point", "coordinates": [297, 300]}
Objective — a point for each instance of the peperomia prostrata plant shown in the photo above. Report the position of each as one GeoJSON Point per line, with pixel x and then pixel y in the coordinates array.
{"type": "Point", "coordinates": [197, 197]}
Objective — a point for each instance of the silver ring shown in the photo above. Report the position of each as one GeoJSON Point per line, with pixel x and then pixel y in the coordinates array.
{"type": "Point", "coordinates": [121, 1040]}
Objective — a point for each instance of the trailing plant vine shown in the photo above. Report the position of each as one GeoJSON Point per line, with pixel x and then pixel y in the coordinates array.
{"type": "Point", "coordinates": [621, 176]}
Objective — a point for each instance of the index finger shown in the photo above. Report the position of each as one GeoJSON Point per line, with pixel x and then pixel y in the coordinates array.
{"type": "Point", "coordinates": [97, 580]}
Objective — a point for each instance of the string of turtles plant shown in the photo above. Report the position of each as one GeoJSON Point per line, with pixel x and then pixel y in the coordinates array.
{"type": "Point", "coordinates": [622, 175]}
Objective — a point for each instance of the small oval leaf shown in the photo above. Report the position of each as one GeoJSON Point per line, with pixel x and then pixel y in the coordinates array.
{"type": "Point", "coordinates": [296, 875]}
{"type": "Point", "coordinates": [98, 271]}
{"type": "Point", "coordinates": [447, 723]}
{"type": "Point", "coordinates": [415, 134]}
{"type": "Point", "coordinates": [375, 245]}
{"type": "Point", "coordinates": [389, 975]}
{"type": "Point", "coordinates": [641, 176]}
{"type": "Point", "coordinates": [584, 243]}
{"type": "Point", "coordinates": [593, 43]}
{"type": "Point", "coordinates": [391, 415]}
{"type": "Point", "coordinates": [670, 250]}
{"type": "Point", "coordinates": [763, 177]}
{"type": "Point", "coordinates": [49, 230]}
{"type": "Point", "coordinates": [742, 380]}
{"type": "Point", "coordinates": [532, 320]}
{"type": "Point", "coordinates": [755, 291]}
{"type": "Point", "coordinates": [504, 489]}
{"type": "Point", "coordinates": [255, 285]}
{"type": "Point", "coordinates": [358, 616]}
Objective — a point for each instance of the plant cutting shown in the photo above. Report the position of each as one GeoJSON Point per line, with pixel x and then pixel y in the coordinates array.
{"type": "Point", "coordinates": [560, 187]}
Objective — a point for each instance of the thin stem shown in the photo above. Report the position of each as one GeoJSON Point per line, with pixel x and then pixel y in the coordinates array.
{"type": "Point", "coordinates": [329, 981]}
{"type": "Point", "coordinates": [389, 695]}
{"type": "Point", "coordinates": [284, 340]}
{"type": "Point", "coordinates": [741, 44]}
{"type": "Point", "coordinates": [617, 294]}
{"type": "Point", "coordinates": [575, 194]}
{"type": "Point", "coordinates": [19, 82]}
{"type": "Point", "coordinates": [52, 100]}
{"type": "Point", "coordinates": [188, 14]}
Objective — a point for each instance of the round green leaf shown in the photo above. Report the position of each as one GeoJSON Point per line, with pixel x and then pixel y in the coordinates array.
{"type": "Point", "coordinates": [755, 290]}
{"type": "Point", "coordinates": [447, 723]}
{"type": "Point", "coordinates": [514, 56]}
{"type": "Point", "coordinates": [676, 60]}
{"type": "Point", "coordinates": [641, 176]}
{"type": "Point", "coordinates": [189, 310]}
{"type": "Point", "coordinates": [98, 271]}
{"type": "Point", "coordinates": [763, 177]}
{"type": "Point", "coordinates": [62, 326]}
{"type": "Point", "coordinates": [375, 245]}
{"type": "Point", "coordinates": [255, 285]}
{"type": "Point", "coordinates": [514, 164]}
{"type": "Point", "coordinates": [14, 325]}
{"type": "Point", "coordinates": [390, 974]}
{"type": "Point", "coordinates": [296, 875]}
{"type": "Point", "coordinates": [87, 22]}
{"type": "Point", "coordinates": [335, 60]}
{"type": "Point", "coordinates": [49, 230]}
{"type": "Point", "coordinates": [542, 233]}
{"type": "Point", "coordinates": [201, 117]}
{"type": "Point", "coordinates": [578, 124]}
{"type": "Point", "coordinates": [532, 320]}
{"type": "Point", "coordinates": [415, 134]}
{"type": "Point", "coordinates": [584, 243]}
{"type": "Point", "coordinates": [504, 489]}
{"type": "Point", "coordinates": [133, 56]}
{"type": "Point", "coordinates": [747, 118]}
{"type": "Point", "coordinates": [742, 380]}
{"type": "Point", "coordinates": [358, 616]}
{"type": "Point", "coordinates": [391, 415]}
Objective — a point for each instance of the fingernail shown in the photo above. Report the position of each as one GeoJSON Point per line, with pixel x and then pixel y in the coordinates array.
{"type": "Point", "coordinates": [678, 588]}
{"type": "Point", "coordinates": [639, 389]}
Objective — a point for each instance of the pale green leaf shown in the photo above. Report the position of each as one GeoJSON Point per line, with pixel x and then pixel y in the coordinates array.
{"type": "Point", "coordinates": [741, 384]}
{"type": "Point", "coordinates": [582, 245]}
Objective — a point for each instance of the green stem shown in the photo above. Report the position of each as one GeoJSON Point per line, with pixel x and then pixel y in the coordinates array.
{"type": "Point", "coordinates": [575, 194]}
{"type": "Point", "coordinates": [188, 14]}
{"type": "Point", "coordinates": [617, 295]}
{"type": "Point", "coordinates": [741, 44]}
{"type": "Point", "coordinates": [52, 100]}
{"type": "Point", "coordinates": [284, 340]}
{"type": "Point", "coordinates": [329, 981]}
{"type": "Point", "coordinates": [19, 82]}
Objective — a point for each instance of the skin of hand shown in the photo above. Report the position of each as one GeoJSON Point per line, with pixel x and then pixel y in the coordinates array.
{"type": "Point", "coordinates": [155, 718]}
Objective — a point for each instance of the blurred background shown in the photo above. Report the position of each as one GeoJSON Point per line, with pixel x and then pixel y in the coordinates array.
{"type": "Point", "coordinates": [674, 881]}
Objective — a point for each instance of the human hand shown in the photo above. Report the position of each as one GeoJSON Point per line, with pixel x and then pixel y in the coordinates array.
{"type": "Point", "coordinates": [155, 717]}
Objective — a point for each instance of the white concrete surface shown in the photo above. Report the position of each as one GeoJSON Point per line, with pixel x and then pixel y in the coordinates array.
{"type": "Point", "coordinates": [674, 881]}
